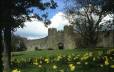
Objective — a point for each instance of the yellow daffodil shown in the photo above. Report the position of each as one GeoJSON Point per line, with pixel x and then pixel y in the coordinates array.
{"type": "Point", "coordinates": [46, 60]}
{"type": "Point", "coordinates": [16, 70]}
{"type": "Point", "coordinates": [101, 65]}
{"type": "Point", "coordinates": [61, 70]}
{"type": "Point", "coordinates": [69, 56]}
{"type": "Point", "coordinates": [111, 58]}
{"type": "Point", "coordinates": [84, 57]}
{"type": "Point", "coordinates": [86, 63]}
{"type": "Point", "coordinates": [94, 59]}
{"type": "Point", "coordinates": [68, 59]}
{"type": "Point", "coordinates": [35, 62]}
{"type": "Point", "coordinates": [54, 67]}
{"type": "Point", "coordinates": [106, 61]}
{"type": "Point", "coordinates": [90, 54]}
{"type": "Point", "coordinates": [112, 66]}
{"type": "Point", "coordinates": [72, 67]}
{"type": "Point", "coordinates": [75, 58]}
{"type": "Point", "coordinates": [78, 63]}
{"type": "Point", "coordinates": [59, 57]}
{"type": "Point", "coordinates": [73, 54]}
{"type": "Point", "coordinates": [40, 62]}
{"type": "Point", "coordinates": [39, 66]}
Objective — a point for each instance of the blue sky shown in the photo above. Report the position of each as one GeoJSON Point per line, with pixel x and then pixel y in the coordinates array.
{"type": "Point", "coordinates": [36, 29]}
{"type": "Point", "coordinates": [51, 12]}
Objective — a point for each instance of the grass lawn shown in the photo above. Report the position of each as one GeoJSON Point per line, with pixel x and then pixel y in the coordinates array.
{"type": "Point", "coordinates": [76, 60]}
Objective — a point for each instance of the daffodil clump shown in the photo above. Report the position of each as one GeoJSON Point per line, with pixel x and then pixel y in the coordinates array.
{"type": "Point", "coordinates": [68, 63]}
{"type": "Point", "coordinates": [59, 57]}
{"type": "Point", "coordinates": [85, 56]}
{"type": "Point", "coordinates": [35, 62]}
{"type": "Point", "coordinates": [72, 67]}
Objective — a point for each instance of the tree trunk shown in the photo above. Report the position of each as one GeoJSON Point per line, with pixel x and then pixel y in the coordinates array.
{"type": "Point", "coordinates": [1, 51]}
{"type": "Point", "coordinates": [7, 49]}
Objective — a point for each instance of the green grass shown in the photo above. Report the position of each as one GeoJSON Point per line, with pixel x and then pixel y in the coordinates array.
{"type": "Point", "coordinates": [49, 53]}
{"type": "Point", "coordinates": [61, 64]}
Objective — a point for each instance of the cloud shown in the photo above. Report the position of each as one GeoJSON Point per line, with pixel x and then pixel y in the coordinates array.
{"type": "Point", "coordinates": [32, 30]}
{"type": "Point", "coordinates": [107, 18]}
{"type": "Point", "coordinates": [107, 22]}
{"type": "Point", "coordinates": [59, 21]}
{"type": "Point", "coordinates": [36, 29]}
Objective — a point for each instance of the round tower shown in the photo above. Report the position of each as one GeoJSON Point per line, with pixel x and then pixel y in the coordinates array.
{"type": "Point", "coordinates": [69, 41]}
{"type": "Point", "coordinates": [52, 39]}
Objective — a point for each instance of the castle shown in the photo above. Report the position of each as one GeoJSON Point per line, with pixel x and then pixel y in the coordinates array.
{"type": "Point", "coordinates": [68, 38]}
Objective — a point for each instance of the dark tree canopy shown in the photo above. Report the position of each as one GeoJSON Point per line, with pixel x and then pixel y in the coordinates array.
{"type": "Point", "coordinates": [108, 5]}
{"type": "Point", "coordinates": [13, 14]}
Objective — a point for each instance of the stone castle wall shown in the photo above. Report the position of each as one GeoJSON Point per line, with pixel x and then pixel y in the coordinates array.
{"type": "Point", "coordinates": [38, 43]}
{"type": "Point", "coordinates": [106, 39]}
{"type": "Point", "coordinates": [68, 38]}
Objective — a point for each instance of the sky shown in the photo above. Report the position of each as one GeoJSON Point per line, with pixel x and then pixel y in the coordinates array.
{"type": "Point", "coordinates": [36, 29]}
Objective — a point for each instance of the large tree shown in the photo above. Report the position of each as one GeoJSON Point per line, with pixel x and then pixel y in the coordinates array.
{"type": "Point", "coordinates": [86, 16]}
{"type": "Point", "coordinates": [1, 49]}
{"type": "Point", "coordinates": [13, 14]}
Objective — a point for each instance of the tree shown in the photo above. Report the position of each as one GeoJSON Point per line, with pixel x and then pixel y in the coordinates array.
{"type": "Point", "coordinates": [14, 13]}
{"type": "Point", "coordinates": [108, 6]}
{"type": "Point", "coordinates": [18, 43]}
{"type": "Point", "coordinates": [86, 16]}
{"type": "Point", "coordinates": [1, 49]}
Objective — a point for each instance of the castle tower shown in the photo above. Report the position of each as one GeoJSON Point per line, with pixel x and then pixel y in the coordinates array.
{"type": "Point", "coordinates": [52, 38]}
{"type": "Point", "coordinates": [69, 41]}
